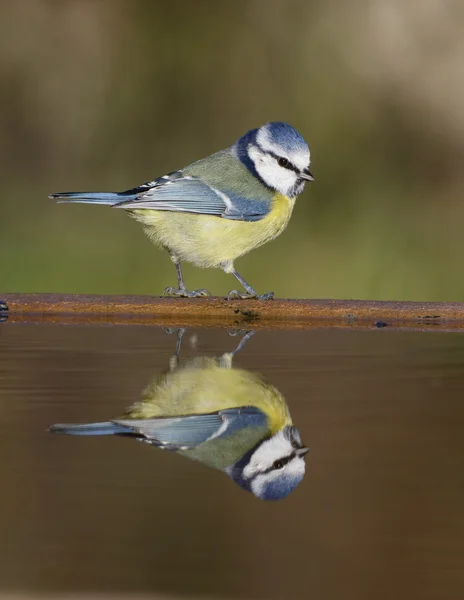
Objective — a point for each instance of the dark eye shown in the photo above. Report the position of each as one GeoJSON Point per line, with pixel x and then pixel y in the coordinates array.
{"type": "Point", "coordinates": [279, 464]}
{"type": "Point", "coordinates": [283, 162]}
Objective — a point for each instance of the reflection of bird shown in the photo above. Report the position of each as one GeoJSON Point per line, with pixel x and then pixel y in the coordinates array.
{"type": "Point", "coordinates": [227, 418]}
{"type": "Point", "coordinates": [220, 207]}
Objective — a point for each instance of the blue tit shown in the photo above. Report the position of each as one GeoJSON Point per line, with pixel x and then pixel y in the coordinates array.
{"type": "Point", "coordinates": [224, 417]}
{"type": "Point", "coordinates": [220, 207]}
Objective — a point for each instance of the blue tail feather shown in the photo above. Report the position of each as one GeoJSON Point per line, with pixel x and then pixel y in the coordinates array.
{"type": "Point", "coordinates": [104, 428]}
{"type": "Point", "coordinates": [109, 198]}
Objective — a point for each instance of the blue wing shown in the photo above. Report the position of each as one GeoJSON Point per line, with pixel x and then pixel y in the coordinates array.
{"type": "Point", "coordinates": [182, 433]}
{"type": "Point", "coordinates": [185, 193]}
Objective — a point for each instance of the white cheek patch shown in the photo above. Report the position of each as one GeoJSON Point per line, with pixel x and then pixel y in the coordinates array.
{"type": "Point", "coordinates": [277, 447]}
{"type": "Point", "coordinates": [276, 177]}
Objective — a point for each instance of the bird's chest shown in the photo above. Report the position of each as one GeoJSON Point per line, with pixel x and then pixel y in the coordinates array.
{"type": "Point", "coordinates": [282, 211]}
{"type": "Point", "coordinates": [276, 220]}
{"type": "Point", "coordinates": [231, 239]}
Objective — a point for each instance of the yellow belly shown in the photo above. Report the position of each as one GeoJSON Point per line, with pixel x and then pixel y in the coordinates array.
{"type": "Point", "coordinates": [208, 241]}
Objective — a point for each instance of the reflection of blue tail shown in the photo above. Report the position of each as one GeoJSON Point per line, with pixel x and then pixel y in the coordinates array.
{"type": "Point", "coordinates": [105, 428]}
{"type": "Point", "coordinates": [93, 197]}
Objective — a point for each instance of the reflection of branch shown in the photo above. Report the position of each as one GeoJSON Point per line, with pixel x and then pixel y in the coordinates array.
{"type": "Point", "coordinates": [219, 312]}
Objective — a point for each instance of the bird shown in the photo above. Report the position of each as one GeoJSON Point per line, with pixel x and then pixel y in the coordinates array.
{"type": "Point", "coordinates": [219, 208]}
{"type": "Point", "coordinates": [227, 418]}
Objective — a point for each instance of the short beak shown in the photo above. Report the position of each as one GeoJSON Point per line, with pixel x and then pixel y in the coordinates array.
{"type": "Point", "coordinates": [302, 451]}
{"type": "Point", "coordinates": [306, 175]}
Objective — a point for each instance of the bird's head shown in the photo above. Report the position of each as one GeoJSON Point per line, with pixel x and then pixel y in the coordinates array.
{"type": "Point", "coordinates": [274, 467]}
{"type": "Point", "coordinates": [278, 155]}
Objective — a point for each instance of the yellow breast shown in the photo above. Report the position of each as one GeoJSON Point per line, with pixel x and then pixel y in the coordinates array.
{"type": "Point", "coordinates": [207, 240]}
{"type": "Point", "coordinates": [279, 216]}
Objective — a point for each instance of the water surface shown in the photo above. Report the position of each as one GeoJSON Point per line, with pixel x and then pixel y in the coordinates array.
{"type": "Point", "coordinates": [379, 513]}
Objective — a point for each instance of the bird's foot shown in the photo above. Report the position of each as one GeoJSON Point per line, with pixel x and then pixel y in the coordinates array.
{"type": "Point", "coordinates": [184, 293]}
{"type": "Point", "coordinates": [235, 332]}
{"type": "Point", "coordinates": [3, 311]}
{"type": "Point", "coordinates": [171, 330]}
{"type": "Point", "coordinates": [238, 295]}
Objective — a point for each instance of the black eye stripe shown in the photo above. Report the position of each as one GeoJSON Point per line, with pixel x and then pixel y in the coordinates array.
{"type": "Point", "coordinates": [290, 166]}
{"type": "Point", "coordinates": [279, 463]}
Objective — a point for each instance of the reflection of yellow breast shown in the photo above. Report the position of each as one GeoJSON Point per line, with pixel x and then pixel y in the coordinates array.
{"type": "Point", "coordinates": [202, 386]}
{"type": "Point", "coordinates": [206, 240]}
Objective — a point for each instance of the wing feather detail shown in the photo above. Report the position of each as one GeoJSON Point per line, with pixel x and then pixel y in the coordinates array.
{"type": "Point", "coordinates": [178, 193]}
{"type": "Point", "coordinates": [182, 433]}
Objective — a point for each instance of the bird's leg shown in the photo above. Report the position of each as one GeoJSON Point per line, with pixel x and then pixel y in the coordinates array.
{"type": "Point", "coordinates": [180, 335]}
{"type": "Point", "coordinates": [250, 292]}
{"type": "Point", "coordinates": [174, 360]}
{"type": "Point", "coordinates": [226, 359]}
{"type": "Point", "coordinates": [243, 341]}
{"type": "Point", "coordinates": [181, 290]}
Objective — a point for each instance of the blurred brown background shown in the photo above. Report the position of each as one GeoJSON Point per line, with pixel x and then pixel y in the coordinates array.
{"type": "Point", "coordinates": [106, 94]}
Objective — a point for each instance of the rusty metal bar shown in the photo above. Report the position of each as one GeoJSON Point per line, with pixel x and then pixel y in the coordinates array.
{"type": "Point", "coordinates": [220, 312]}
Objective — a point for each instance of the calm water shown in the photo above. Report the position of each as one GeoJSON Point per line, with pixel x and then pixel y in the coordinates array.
{"type": "Point", "coordinates": [379, 513]}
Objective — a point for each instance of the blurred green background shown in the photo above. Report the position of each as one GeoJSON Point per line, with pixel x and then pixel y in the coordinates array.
{"type": "Point", "coordinates": [106, 94]}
